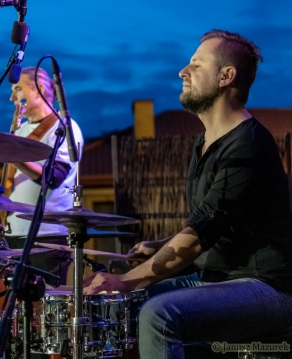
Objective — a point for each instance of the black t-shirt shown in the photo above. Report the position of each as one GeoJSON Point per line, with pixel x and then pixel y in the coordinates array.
{"type": "Point", "coordinates": [239, 202]}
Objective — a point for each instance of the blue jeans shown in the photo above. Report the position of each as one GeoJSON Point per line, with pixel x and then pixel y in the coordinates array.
{"type": "Point", "coordinates": [185, 309]}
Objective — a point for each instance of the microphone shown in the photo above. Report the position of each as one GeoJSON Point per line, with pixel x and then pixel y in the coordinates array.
{"type": "Point", "coordinates": [95, 267]}
{"type": "Point", "coordinates": [19, 29]}
{"type": "Point", "coordinates": [72, 148]}
{"type": "Point", "coordinates": [15, 70]}
{"type": "Point", "coordinates": [50, 278]}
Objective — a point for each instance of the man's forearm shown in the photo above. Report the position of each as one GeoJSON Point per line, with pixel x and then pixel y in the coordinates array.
{"type": "Point", "coordinates": [174, 256]}
{"type": "Point", "coordinates": [31, 169]}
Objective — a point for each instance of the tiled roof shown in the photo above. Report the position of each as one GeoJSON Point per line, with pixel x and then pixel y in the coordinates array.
{"type": "Point", "coordinates": [180, 122]}
{"type": "Point", "coordinates": [177, 122]}
{"type": "Point", "coordinates": [277, 121]}
{"type": "Point", "coordinates": [97, 155]}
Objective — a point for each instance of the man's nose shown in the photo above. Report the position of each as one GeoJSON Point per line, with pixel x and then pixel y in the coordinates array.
{"type": "Point", "coordinates": [12, 97]}
{"type": "Point", "coordinates": [184, 72]}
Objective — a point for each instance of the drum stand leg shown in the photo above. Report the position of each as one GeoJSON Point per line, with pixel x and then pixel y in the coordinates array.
{"type": "Point", "coordinates": [76, 239]}
{"type": "Point", "coordinates": [27, 310]}
{"type": "Point", "coordinates": [78, 320]}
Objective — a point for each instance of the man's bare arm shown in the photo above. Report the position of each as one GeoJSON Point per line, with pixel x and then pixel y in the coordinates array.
{"type": "Point", "coordinates": [31, 169]}
{"type": "Point", "coordinates": [174, 256]}
{"type": "Point", "coordinates": [142, 251]}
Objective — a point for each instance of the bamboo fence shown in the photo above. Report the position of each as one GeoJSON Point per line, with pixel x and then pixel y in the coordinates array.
{"type": "Point", "coordinates": [150, 183]}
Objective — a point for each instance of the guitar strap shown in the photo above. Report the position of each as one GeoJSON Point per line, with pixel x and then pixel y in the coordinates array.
{"type": "Point", "coordinates": [37, 134]}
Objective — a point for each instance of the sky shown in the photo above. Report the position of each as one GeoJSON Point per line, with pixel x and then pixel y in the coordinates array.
{"type": "Point", "coordinates": [113, 52]}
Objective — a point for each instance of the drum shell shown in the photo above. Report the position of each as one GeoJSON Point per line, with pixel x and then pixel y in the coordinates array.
{"type": "Point", "coordinates": [113, 317]}
{"type": "Point", "coordinates": [109, 327]}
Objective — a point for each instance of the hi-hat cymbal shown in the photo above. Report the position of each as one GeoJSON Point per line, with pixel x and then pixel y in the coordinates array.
{"type": "Point", "coordinates": [90, 232]}
{"type": "Point", "coordinates": [84, 216]}
{"type": "Point", "coordinates": [7, 205]}
{"type": "Point", "coordinates": [15, 149]}
{"type": "Point", "coordinates": [6, 253]}
{"type": "Point", "coordinates": [61, 247]}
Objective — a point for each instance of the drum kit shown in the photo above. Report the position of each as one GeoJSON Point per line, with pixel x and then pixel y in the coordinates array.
{"type": "Point", "coordinates": [65, 322]}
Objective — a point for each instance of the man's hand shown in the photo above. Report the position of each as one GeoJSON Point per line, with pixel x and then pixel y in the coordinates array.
{"type": "Point", "coordinates": [100, 281]}
{"type": "Point", "coordinates": [142, 251]}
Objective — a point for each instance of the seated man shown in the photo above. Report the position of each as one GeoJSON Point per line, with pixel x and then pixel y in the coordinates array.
{"type": "Point", "coordinates": [41, 125]}
{"type": "Point", "coordinates": [239, 230]}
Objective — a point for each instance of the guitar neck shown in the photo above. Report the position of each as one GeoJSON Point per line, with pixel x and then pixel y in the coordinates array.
{"type": "Point", "coordinates": [15, 124]}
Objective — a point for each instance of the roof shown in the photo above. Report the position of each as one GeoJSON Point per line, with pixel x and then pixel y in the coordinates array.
{"type": "Point", "coordinates": [181, 122]}
{"type": "Point", "coordinates": [177, 122]}
{"type": "Point", "coordinates": [278, 121]}
{"type": "Point", "coordinates": [97, 160]}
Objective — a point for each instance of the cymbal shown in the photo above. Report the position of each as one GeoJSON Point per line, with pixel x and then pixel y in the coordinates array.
{"type": "Point", "coordinates": [61, 247]}
{"type": "Point", "coordinates": [85, 216]}
{"type": "Point", "coordinates": [6, 253]}
{"type": "Point", "coordinates": [90, 232]}
{"type": "Point", "coordinates": [15, 149]}
{"type": "Point", "coordinates": [7, 205]}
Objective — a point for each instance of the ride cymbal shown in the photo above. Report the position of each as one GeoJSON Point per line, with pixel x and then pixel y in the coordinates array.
{"type": "Point", "coordinates": [82, 216]}
{"type": "Point", "coordinates": [6, 253]}
{"type": "Point", "coordinates": [16, 149]}
{"type": "Point", "coordinates": [7, 205]}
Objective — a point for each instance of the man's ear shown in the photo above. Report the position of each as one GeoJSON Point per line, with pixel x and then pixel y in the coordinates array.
{"type": "Point", "coordinates": [42, 89]}
{"type": "Point", "coordinates": [227, 75]}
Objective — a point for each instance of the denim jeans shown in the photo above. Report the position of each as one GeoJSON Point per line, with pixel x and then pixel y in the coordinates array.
{"type": "Point", "coordinates": [185, 309]}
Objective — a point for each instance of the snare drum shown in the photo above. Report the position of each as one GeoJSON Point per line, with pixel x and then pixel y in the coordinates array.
{"type": "Point", "coordinates": [109, 329]}
{"type": "Point", "coordinates": [113, 326]}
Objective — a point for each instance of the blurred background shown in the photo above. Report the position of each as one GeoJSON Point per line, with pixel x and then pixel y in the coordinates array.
{"type": "Point", "coordinates": [113, 52]}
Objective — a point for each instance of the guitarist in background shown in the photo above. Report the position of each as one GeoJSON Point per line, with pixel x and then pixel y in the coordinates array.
{"type": "Point", "coordinates": [41, 126]}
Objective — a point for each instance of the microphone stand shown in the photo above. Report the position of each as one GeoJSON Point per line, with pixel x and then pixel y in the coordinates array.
{"type": "Point", "coordinates": [20, 275]}
{"type": "Point", "coordinates": [8, 66]}
{"type": "Point", "coordinates": [21, 10]}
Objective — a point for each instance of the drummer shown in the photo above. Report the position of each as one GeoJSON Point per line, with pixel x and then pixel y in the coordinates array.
{"type": "Point", "coordinates": [41, 125]}
{"type": "Point", "coordinates": [239, 228]}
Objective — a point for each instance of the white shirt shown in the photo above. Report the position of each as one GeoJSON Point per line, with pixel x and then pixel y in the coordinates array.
{"type": "Point", "coordinates": [26, 191]}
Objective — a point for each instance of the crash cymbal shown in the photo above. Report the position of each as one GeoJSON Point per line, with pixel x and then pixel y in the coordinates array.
{"type": "Point", "coordinates": [90, 232]}
{"type": "Point", "coordinates": [15, 149]}
{"type": "Point", "coordinates": [84, 216]}
{"type": "Point", "coordinates": [6, 253]}
{"type": "Point", "coordinates": [7, 205]}
{"type": "Point", "coordinates": [61, 247]}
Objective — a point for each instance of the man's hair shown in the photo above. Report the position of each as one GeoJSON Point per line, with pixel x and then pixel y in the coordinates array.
{"type": "Point", "coordinates": [42, 78]}
{"type": "Point", "coordinates": [239, 52]}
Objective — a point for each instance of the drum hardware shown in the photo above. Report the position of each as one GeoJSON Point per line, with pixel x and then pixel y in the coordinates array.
{"type": "Point", "coordinates": [85, 250]}
{"type": "Point", "coordinates": [109, 326]}
{"type": "Point", "coordinates": [21, 149]}
{"type": "Point", "coordinates": [16, 149]}
{"type": "Point", "coordinates": [7, 205]}
{"type": "Point", "coordinates": [81, 216]}
{"type": "Point", "coordinates": [76, 220]}
{"type": "Point", "coordinates": [16, 253]}
{"type": "Point", "coordinates": [90, 232]}
{"type": "Point", "coordinates": [95, 267]}
{"type": "Point", "coordinates": [3, 242]}
{"type": "Point", "coordinates": [32, 290]}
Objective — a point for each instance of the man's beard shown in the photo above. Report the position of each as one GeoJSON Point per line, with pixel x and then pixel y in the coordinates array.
{"type": "Point", "coordinates": [199, 103]}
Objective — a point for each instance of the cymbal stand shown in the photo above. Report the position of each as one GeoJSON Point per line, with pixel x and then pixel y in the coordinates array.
{"type": "Point", "coordinates": [77, 237]}
{"type": "Point", "coordinates": [20, 276]}
{"type": "Point", "coordinates": [3, 242]}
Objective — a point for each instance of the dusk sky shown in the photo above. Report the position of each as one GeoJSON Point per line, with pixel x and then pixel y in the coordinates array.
{"type": "Point", "coordinates": [113, 52]}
